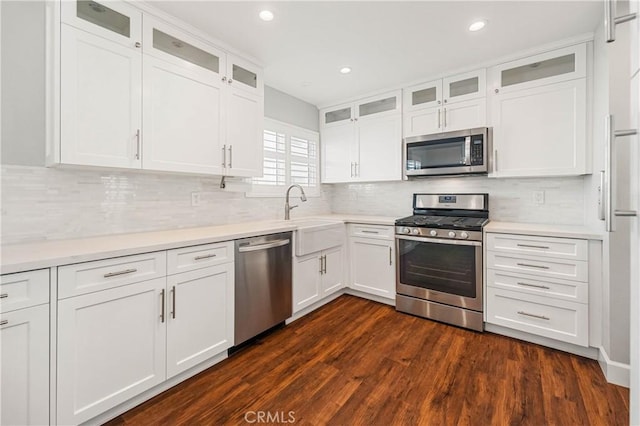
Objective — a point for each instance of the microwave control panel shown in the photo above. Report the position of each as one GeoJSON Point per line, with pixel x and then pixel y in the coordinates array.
{"type": "Point", "coordinates": [477, 151]}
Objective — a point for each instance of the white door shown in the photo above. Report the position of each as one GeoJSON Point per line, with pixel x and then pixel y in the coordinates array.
{"type": "Point", "coordinates": [465, 115]}
{"type": "Point", "coordinates": [306, 280]}
{"type": "Point", "coordinates": [111, 347]}
{"type": "Point", "coordinates": [24, 372]}
{"type": "Point", "coordinates": [338, 152]}
{"type": "Point", "coordinates": [380, 148]}
{"type": "Point", "coordinates": [200, 310]}
{"type": "Point", "coordinates": [183, 118]}
{"type": "Point", "coordinates": [423, 122]}
{"type": "Point", "coordinates": [333, 275]}
{"type": "Point", "coordinates": [244, 75]}
{"type": "Point", "coordinates": [101, 101]}
{"type": "Point", "coordinates": [540, 131]}
{"type": "Point", "coordinates": [244, 133]}
{"type": "Point", "coordinates": [372, 267]}
{"type": "Point", "coordinates": [422, 96]}
{"type": "Point", "coordinates": [463, 87]}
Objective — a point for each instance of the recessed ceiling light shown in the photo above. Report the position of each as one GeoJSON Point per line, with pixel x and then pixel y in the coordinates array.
{"type": "Point", "coordinates": [345, 70]}
{"type": "Point", "coordinates": [477, 26]}
{"type": "Point", "coordinates": [266, 15]}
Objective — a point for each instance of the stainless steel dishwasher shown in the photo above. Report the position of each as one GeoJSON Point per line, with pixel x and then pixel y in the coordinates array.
{"type": "Point", "coordinates": [263, 284]}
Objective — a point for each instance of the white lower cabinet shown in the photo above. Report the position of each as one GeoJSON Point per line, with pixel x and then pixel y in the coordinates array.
{"type": "Point", "coordinates": [317, 275]}
{"type": "Point", "coordinates": [200, 319]}
{"type": "Point", "coordinates": [372, 259]}
{"type": "Point", "coordinates": [111, 347]}
{"type": "Point", "coordinates": [544, 293]}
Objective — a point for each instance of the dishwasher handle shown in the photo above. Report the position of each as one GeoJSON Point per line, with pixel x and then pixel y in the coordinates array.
{"type": "Point", "coordinates": [271, 244]}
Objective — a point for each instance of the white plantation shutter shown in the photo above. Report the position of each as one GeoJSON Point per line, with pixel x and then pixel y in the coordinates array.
{"type": "Point", "coordinates": [290, 157]}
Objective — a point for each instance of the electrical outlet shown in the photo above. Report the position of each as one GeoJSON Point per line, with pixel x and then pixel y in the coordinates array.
{"type": "Point", "coordinates": [538, 197]}
{"type": "Point", "coordinates": [195, 199]}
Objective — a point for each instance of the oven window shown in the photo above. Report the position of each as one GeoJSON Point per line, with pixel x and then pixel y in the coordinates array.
{"type": "Point", "coordinates": [446, 268]}
{"type": "Point", "coordinates": [426, 155]}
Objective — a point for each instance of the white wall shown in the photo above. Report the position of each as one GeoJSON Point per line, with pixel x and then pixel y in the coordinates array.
{"type": "Point", "coordinates": [283, 107]}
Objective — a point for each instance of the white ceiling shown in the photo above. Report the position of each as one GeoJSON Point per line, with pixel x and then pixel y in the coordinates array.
{"type": "Point", "coordinates": [386, 43]}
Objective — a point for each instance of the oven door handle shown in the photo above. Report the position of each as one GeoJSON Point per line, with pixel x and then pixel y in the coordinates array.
{"type": "Point", "coordinates": [441, 241]}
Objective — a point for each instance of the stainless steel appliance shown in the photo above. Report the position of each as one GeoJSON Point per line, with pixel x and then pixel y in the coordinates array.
{"type": "Point", "coordinates": [439, 258]}
{"type": "Point", "coordinates": [263, 284]}
{"type": "Point", "coordinates": [451, 153]}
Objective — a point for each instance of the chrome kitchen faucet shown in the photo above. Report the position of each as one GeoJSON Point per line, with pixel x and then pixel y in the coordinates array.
{"type": "Point", "coordinates": [288, 208]}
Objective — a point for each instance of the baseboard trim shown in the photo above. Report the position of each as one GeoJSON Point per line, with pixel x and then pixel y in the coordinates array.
{"type": "Point", "coordinates": [615, 372]}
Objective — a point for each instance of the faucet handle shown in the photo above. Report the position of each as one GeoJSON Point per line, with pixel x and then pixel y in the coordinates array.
{"type": "Point", "coordinates": [293, 207]}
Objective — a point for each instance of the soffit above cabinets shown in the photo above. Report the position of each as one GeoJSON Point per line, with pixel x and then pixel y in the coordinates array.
{"type": "Point", "coordinates": [387, 44]}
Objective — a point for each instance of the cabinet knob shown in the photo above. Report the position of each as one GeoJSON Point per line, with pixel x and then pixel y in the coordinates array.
{"type": "Point", "coordinates": [138, 45]}
{"type": "Point", "coordinates": [445, 101]}
{"type": "Point", "coordinates": [497, 90]}
{"type": "Point", "coordinates": [224, 79]}
{"type": "Point", "coordinates": [230, 81]}
{"type": "Point", "coordinates": [439, 102]}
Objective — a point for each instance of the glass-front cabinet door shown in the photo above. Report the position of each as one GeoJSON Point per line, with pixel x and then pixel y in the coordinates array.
{"type": "Point", "coordinates": [244, 75]}
{"type": "Point", "coordinates": [113, 20]}
{"type": "Point", "coordinates": [421, 96]}
{"type": "Point", "coordinates": [463, 87]}
{"type": "Point", "coordinates": [377, 106]}
{"type": "Point", "coordinates": [335, 116]}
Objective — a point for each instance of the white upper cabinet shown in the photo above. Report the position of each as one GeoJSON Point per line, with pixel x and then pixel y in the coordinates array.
{"type": "Point", "coordinates": [539, 113]}
{"type": "Point", "coordinates": [362, 141]}
{"type": "Point", "coordinates": [452, 103]}
{"type": "Point", "coordinates": [182, 106]}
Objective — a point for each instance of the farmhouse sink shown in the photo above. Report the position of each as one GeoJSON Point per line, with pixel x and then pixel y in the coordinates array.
{"type": "Point", "coordinates": [313, 235]}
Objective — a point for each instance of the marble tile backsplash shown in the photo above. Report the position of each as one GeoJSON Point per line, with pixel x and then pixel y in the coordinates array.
{"type": "Point", "coordinates": [510, 200]}
{"type": "Point", "coordinates": [41, 203]}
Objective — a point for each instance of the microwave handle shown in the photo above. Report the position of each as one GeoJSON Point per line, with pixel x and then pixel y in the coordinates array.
{"type": "Point", "coordinates": [467, 151]}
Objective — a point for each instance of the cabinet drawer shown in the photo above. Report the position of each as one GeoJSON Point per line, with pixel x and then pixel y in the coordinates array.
{"type": "Point", "coordinates": [99, 275]}
{"type": "Point", "coordinates": [23, 290]}
{"type": "Point", "coordinates": [572, 291]}
{"type": "Point", "coordinates": [197, 257]}
{"type": "Point", "coordinates": [371, 231]}
{"type": "Point", "coordinates": [561, 320]}
{"type": "Point", "coordinates": [555, 268]}
{"type": "Point", "coordinates": [564, 248]}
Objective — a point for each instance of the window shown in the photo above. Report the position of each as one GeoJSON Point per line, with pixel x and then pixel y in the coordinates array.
{"type": "Point", "coordinates": [290, 157]}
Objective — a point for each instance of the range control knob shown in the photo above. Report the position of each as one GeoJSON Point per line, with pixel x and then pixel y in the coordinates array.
{"type": "Point", "coordinates": [406, 230]}
{"type": "Point", "coordinates": [452, 234]}
{"type": "Point", "coordinates": [433, 233]}
{"type": "Point", "coordinates": [415, 231]}
{"type": "Point", "coordinates": [464, 235]}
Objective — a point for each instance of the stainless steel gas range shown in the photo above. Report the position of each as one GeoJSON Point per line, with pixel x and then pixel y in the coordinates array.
{"type": "Point", "coordinates": [439, 258]}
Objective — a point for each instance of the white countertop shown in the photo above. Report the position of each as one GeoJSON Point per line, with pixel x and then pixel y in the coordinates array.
{"type": "Point", "coordinates": [562, 231]}
{"type": "Point", "coordinates": [45, 254]}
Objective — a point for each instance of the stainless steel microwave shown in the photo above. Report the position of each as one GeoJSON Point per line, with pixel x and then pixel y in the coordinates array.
{"type": "Point", "coordinates": [453, 153]}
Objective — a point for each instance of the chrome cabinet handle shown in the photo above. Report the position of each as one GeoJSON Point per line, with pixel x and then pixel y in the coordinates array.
{"type": "Point", "coordinates": [173, 304]}
{"type": "Point", "coordinates": [625, 213]}
{"type": "Point", "coordinates": [4, 295]}
{"type": "Point", "coordinates": [532, 266]}
{"type": "Point", "coordinates": [390, 257]}
{"type": "Point", "coordinates": [4, 322]}
{"type": "Point", "coordinates": [352, 169]}
{"type": "Point", "coordinates": [230, 154]}
{"type": "Point", "coordinates": [495, 160]}
{"type": "Point", "coordinates": [320, 259]}
{"type": "Point", "coordinates": [601, 198]}
{"type": "Point", "coordinates": [162, 294]}
{"type": "Point", "coordinates": [205, 256]}
{"type": "Point", "coordinates": [364, 231]}
{"type": "Point", "coordinates": [115, 274]}
{"type": "Point", "coordinates": [611, 20]}
{"type": "Point", "coordinates": [534, 285]}
{"type": "Point", "coordinates": [444, 116]}
{"type": "Point", "coordinates": [534, 315]}
{"type": "Point", "coordinates": [138, 144]}
{"type": "Point", "coordinates": [224, 156]}
{"type": "Point", "coordinates": [356, 168]}
{"type": "Point", "coordinates": [324, 263]}
{"type": "Point", "coordinates": [532, 246]}
{"type": "Point", "coordinates": [438, 118]}
{"type": "Point", "coordinates": [271, 244]}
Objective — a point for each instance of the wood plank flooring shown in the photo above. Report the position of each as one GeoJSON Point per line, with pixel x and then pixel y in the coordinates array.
{"type": "Point", "coordinates": [357, 362]}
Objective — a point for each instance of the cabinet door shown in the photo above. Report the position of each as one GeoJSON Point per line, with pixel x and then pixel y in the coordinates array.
{"type": "Point", "coordinates": [101, 101]}
{"type": "Point", "coordinates": [540, 131]}
{"type": "Point", "coordinates": [245, 125]}
{"type": "Point", "coordinates": [333, 275]}
{"type": "Point", "coordinates": [373, 267]}
{"type": "Point", "coordinates": [337, 115]}
{"type": "Point", "coordinates": [200, 311]}
{"type": "Point", "coordinates": [183, 118]}
{"type": "Point", "coordinates": [463, 87]}
{"type": "Point", "coordinates": [111, 347]}
{"type": "Point", "coordinates": [379, 106]}
{"type": "Point", "coordinates": [338, 153]}
{"type": "Point", "coordinates": [423, 122]}
{"type": "Point", "coordinates": [112, 20]}
{"type": "Point", "coordinates": [306, 280]}
{"type": "Point", "coordinates": [380, 149]}
{"type": "Point", "coordinates": [244, 75]}
{"type": "Point", "coordinates": [465, 115]}
{"type": "Point", "coordinates": [24, 373]}
{"type": "Point", "coordinates": [422, 96]}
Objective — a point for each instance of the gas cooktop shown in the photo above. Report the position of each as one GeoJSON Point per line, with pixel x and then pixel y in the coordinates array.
{"type": "Point", "coordinates": [444, 222]}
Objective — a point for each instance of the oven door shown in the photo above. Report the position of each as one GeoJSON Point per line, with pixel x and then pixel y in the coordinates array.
{"type": "Point", "coordinates": [444, 271]}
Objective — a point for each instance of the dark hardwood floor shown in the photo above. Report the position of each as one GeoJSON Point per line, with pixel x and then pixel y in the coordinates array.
{"type": "Point", "coordinates": [357, 362]}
